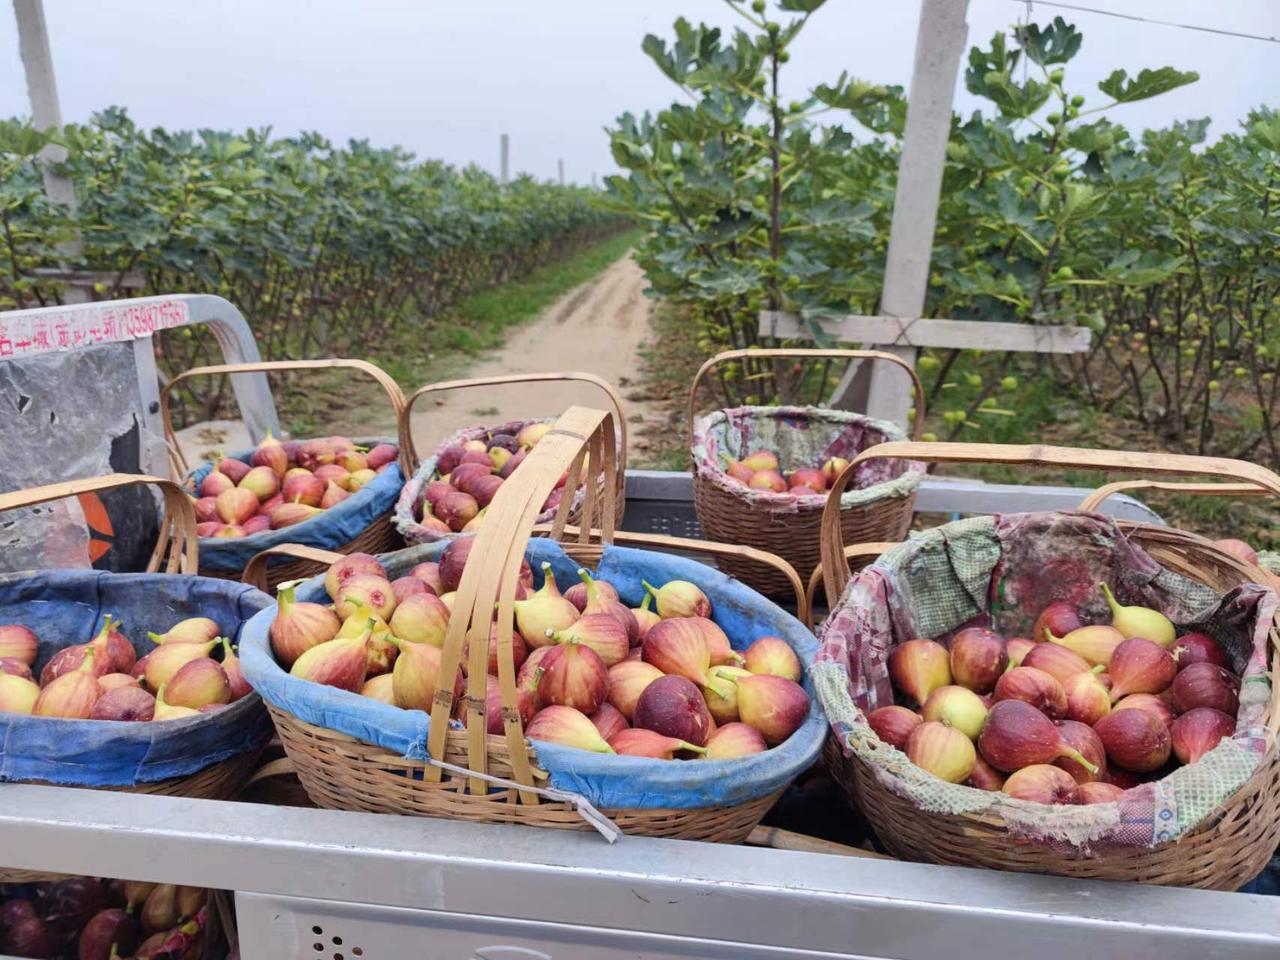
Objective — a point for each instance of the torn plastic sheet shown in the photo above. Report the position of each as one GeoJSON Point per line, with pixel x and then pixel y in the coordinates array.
{"type": "Point", "coordinates": [66, 416]}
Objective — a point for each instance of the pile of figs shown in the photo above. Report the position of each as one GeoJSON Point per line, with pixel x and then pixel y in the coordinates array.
{"type": "Point", "coordinates": [284, 483]}
{"type": "Point", "coordinates": [759, 470]}
{"type": "Point", "coordinates": [468, 474]}
{"type": "Point", "coordinates": [191, 670]}
{"type": "Point", "coordinates": [659, 680]}
{"type": "Point", "coordinates": [84, 918]}
{"type": "Point", "coordinates": [1076, 714]}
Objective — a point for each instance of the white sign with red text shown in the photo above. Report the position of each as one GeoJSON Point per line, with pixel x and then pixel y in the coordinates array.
{"type": "Point", "coordinates": [40, 331]}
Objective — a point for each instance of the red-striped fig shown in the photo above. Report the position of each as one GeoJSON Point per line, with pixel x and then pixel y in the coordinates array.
{"type": "Point", "coordinates": [1057, 619]}
{"type": "Point", "coordinates": [1016, 648]}
{"type": "Point", "coordinates": [627, 680]}
{"type": "Point", "coordinates": [1147, 701]}
{"type": "Point", "coordinates": [333, 473]}
{"type": "Point", "coordinates": [739, 471]}
{"type": "Point", "coordinates": [108, 932]}
{"type": "Point", "coordinates": [17, 694]}
{"type": "Point", "coordinates": [215, 483]}
{"type": "Point", "coordinates": [599, 602]}
{"type": "Point", "coordinates": [68, 659]}
{"type": "Point", "coordinates": [340, 663]}
{"type": "Point", "coordinates": [724, 709]}
{"type": "Point", "coordinates": [568, 727]}
{"type": "Point", "coordinates": [211, 529]}
{"type": "Point", "coordinates": [1198, 648]}
{"type": "Point", "coordinates": [678, 646]}
{"type": "Point", "coordinates": [1135, 740]}
{"type": "Point", "coordinates": [636, 742]}
{"type": "Point", "coordinates": [380, 455]}
{"type": "Point", "coordinates": [773, 655]}
{"type": "Point", "coordinates": [417, 674]}
{"type": "Point", "coordinates": [1035, 687]}
{"type": "Point", "coordinates": [299, 626]}
{"type": "Point", "coordinates": [599, 631]}
{"type": "Point", "coordinates": [333, 495]}
{"type": "Point", "coordinates": [984, 776]}
{"type": "Point", "coordinates": [1082, 738]}
{"type": "Point", "coordinates": [544, 609]}
{"type": "Point", "coordinates": [1198, 731]}
{"type": "Point", "coordinates": [373, 591]}
{"type": "Point", "coordinates": [812, 480]}
{"type": "Point", "coordinates": [679, 598]}
{"type": "Point", "coordinates": [1017, 735]}
{"type": "Point", "coordinates": [380, 688]}
{"type": "Point", "coordinates": [352, 565]}
{"type": "Point", "coordinates": [1140, 666]}
{"type": "Point", "coordinates": [1088, 701]}
{"type": "Point", "coordinates": [734, 740]}
{"type": "Point", "coordinates": [609, 721]}
{"type": "Point", "coordinates": [957, 707]}
{"type": "Point", "coordinates": [302, 487]}
{"type": "Point", "coordinates": [1096, 792]}
{"type": "Point", "coordinates": [112, 681]}
{"type": "Point", "coordinates": [770, 480]}
{"type": "Point", "coordinates": [166, 660]}
{"type": "Point", "coordinates": [918, 667]}
{"type": "Point", "coordinates": [235, 675]}
{"type": "Point", "coordinates": [761, 460]}
{"type": "Point", "coordinates": [124, 703]}
{"type": "Point", "coordinates": [190, 630]}
{"type": "Point", "coordinates": [577, 594]}
{"type": "Point", "coordinates": [1040, 783]}
{"type": "Point", "coordinates": [429, 573]}
{"type": "Point", "coordinates": [775, 706]}
{"type": "Point", "coordinates": [1205, 685]}
{"type": "Point", "coordinates": [526, 704]}
{"type": "Point", "coordinates": [421, 618]}
{"type": "Point", "coordinates": [271, 453]}
{"type": "Point", "coordinates": [532, 665]}
{"type": "Point", "coordinates": [573, 675]}
{"type": "Point", "coordinates": [1139, 621]}
{"type": "Point", "coordinates": [403, 587]}
{"type": "Point", "coordinates": [167, 711]}
{"type": "Point", "coordinates": [455, 510]}
{"type": "Point", "coordinates": [1095, 644]}
{"type": "Point", "coordinates": [233, 468]}
{"type": "Point", "coordinates": [942, 751]}
{"type": "Point", "coordinates": [15, 668]}
{"type": "Point", "coordinates": [893, 724]}
{"type": "Point", "coordinates": [262, 482]}
{"type": "Point", "coordinates": [1057, 661]}
{"type": "Point", "coordinates": [258, 523]}
{"type": "Point", "coordinates": [292, 514]}
{"type": "Point", "coordinates": [198, 683]}
{"type": "Point", "coordinates": [317, 453]}
{"type": "Point", "coordinates": [519, 651]}
{"type": "Point", "coordinates": [115, 652]}
{"type": "Point", "coordinates": [977, 659]}
{"type": "Point", "coordinates": [207, 510]}
{"type": "Point", "coordinates": [18, 642]}
{"type": "Point", "coordinates": [236, 505]}
{"type": "Point", "coordinates": [673, 707]}
{"type": "Point", "coordinates": [72, 695]}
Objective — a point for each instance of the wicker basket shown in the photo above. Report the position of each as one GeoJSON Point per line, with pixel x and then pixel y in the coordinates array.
{"type": "Point", "coordinates": [340, 772]}
{"type": "Point", "coordinates": [789, 525]}
{"type": "Point", "coordinates": [376, 537]}
{"type": "Point", "coordinates": [175, 552]}
{"type": "Point", "coordinates": [418, 473]}
{"type": "Point", "coordinates": [1225, 850]}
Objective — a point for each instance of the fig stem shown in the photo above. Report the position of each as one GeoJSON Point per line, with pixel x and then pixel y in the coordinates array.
{"type": "Point", "coordinates": [686, 745]}
{"type": "Point", "coordinates": [717, 683]}
{"type": "Point", "coordinates": [649, 589]}
{"type": "Point", "coordinates": [1080, 758]}
{"type": "Point", "coordinates": [1111, 598]}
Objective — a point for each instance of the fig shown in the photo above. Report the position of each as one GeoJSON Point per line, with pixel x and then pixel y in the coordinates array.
{"type": "Point", "coordinates": [236, 505]}
{"type": "Point", "coordinates": [1034, 687]}
{"type": "Point", "coordinates": [32, 937]}
{"type": "Point", "coordinates": [977, 658]}
{"type": "Point", "coordinates": [429, 574]}
{"type": "Point", "coordinates": [298, 626]}
{"type": "Point", "coordinates": [760, 460]}
{"type": "Point", "coordinates": [304, 488]}
{"type": "Point", "coordinates": [724, 709]}
{"type": "Point", "coordinates": [1135, 740]}
{"type": "Point", "coordinates": [599, 631]}
{"type": "Point", "coordinates": [770, 480]}
{"type": "Point", "coordinates": [1096, 792]}
{"type": "Point", "coordinates": [918, 667]}
{"type": "Point", "coordinates": [1205, 685]}
{"type": "Point", "coordinates": [484, 489]}
{"type": "Point", "coordinates": [160, 912]}
{"type": "Point", "coordinates": [893, 724]}
{"type": "Point", "coordinates": [1016, 648]}
{"type": "Point", "coordinates": [233, 468]}
{"type": "Point", "coordinates": [734, 740]}
{"type": "Point", "coordinates": [832, 468]}
{"type": "Point", "coordinates": [519, 651]}
{"type": "Point", "coordinates": [627, 680]}
{"type": "Point", "coordinates": [544, 610]}
{"type": "Point", "coordinates": [166, 711]}
{"type": "Point", "coordinates": [107, 932]}
{"type": "Point", "coordinates": [18, 642]}
{"type": "Point", "coordinates": [17, 694]}
{"type": "Point", "coordinates": [984, 776]}
{"type": "Point", "coordinates": [316, 453]}
{"type": "Point", "coordinates": [335, 474]}
{"type": "Point", "coordinates": [405, 587]}
{"type": "Point", "coordinates": [191, 630]}
{"type": "Point", "coordinates": [68, 659]}
{"type": "Point", "coordinates": [1139, 621]}
{"type": "Point", "coordinates": [673, 707]}
{"type": "Point", "coordinates": [601, 603]}
{"type": "Point", "coordinates": [212, 529]}
{"type": "Point", "coordinates": [453, 561]}
{"type": "Point", "coordinates": [1094, 644]}
{"type": "Point", "coordinates": [421, 618]}
{"type": "Point", "coordinates": [577, 594]}
{"type": "Point", "coordinates": [1017, 735]}
{"type": "Point", "coordinates": [380, 688]}
{"type": "Point", "coordinates": [198, 683]}
{"type": "Point", "coordinates": [340, 663]}
{"type": "Point", "coordinates": [573, 675]}
{"type": "Point", "coordinates": [1057, 661]}
{"type": "Point", "coordinates": [113, 681]}
{"type": "Point", "coordinates": [416, 675]}
{"type": "Point", "coordinates": [530, 434]}
{"type": "Point", "coordinates": [1040, 783]}
{"type": "Point", "coordinates": [509, 467]}
{"type": "Point", "coordinates": [773, 655]}
{"type": "Point", "coordinates": [1238, 549]}
{"type": "Point", "coordinates": [115, 652]}
{"type": "Point", "coordinates": [1059, 619]}
{"type": "Point", "coordinates": [1088, 701]}
{"type": "Point", "coordinates": [775, 706]}
{"type": "Point", "coordinates": [1198, 648]}
{"type": "Point", "coordinates": [70, 903]}
{"type": "Point", "coordinates": [1198, 731]}
{"type": "Point", "coordinates": [679, 598]}
{"type": "Point", "coordinates": [1082, 738]}
{"type": "Point", "coordinates": [678, 646]}
{"type": "Point", "coordinates": [292, 514]}
{"type": "Point", "coordinates": [635, 742]}
{"type": "Point", "coordinates": [739, 471]}
{"type": "Point", "coordinates": [942, 751]}
{"type": "Point", "coordinates": [352, 565]}
{"type": "Point", "coordinates": [1149, 702]}
{"type": "Point", "coordinates": [127, 704]}
{"type": "Point", "coordinates": [262, 482]}
{"type": "Point", "coordinates": [568, 727]}
{"type": "Point", "coordinates": [811, 480]}
{"type": "Point", "coordinates": [256, 524]}
{"type": "Point", "coordinates": [1140, 666]}
{"type": "Point", "coordinates": [214, 484]}
{"type": "Point", "coordinates": [380, 455]}
{"type": "Point", "coordinates": [164, 661]}
{"type": "Point", "coordinates": [72, 695]}
{"type": "Point", "coordinates": [609, 721]}
{"type": "Point", "coordinates": [207, 510]}
{"type": "Point", "coordinates": [464, 474]}
{"type": "Point", "coordinates": [15, 668]}
{"type": "Point", "coordinates": [369, 589]}
{"type": "Point", "coordinates": [645, 618]}
{"type": "Point", "coordinates": [271, 453]}
{"type": "Point", "coordinates": [957, 707]}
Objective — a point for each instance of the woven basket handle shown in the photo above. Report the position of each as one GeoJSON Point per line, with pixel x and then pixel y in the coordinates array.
{"type": "Point", "coordinates": [176, 545]}
{"type": "Point", "coordinates": [1095, 499]}
{"type": "Point", "coordinates": [569, 376]}
{"type": "Point", "coordinates": [383, 379]}
{"type": "Point", "coordinates": [712, 549]}
{"type": "Point", "coordinates": [579, 446]}
{"type": "Point", "coordinates": [857, 551]}
{"type": "Point", "coordinates": [835, 572]}
{"type": "Point", "coordinates": [255, 572]}
{"type": "Point", "coordinates": [835, 354]}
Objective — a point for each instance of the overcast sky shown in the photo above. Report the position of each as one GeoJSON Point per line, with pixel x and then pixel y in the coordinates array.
{"type": "Point", "coordinates": [445, 77]}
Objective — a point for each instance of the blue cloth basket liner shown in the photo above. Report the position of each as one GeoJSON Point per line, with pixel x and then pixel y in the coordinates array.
{"type": "Point", "coordinates": [68, 607]}
{"type": "Point", "coordinates": [606, 780]}
{"type": "Point", "coordinates": [334, 528]}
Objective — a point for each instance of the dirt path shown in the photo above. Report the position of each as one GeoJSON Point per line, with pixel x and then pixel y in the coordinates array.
{"type": "Point", "coordinates": [597, 327]}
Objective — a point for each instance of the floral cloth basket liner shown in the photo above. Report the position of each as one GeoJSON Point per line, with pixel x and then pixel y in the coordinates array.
{"type": "Point", "coordinates": [1000, 572]}
{"type": "Point", "coordinates": [337, 526]}
{"type": "Point", "coordinates": [802, 436]}
{"type": "Point", "coordinates": [411, 497]}
{"type": "Point", "coordinates": [606, 781]}
{"type": "Point", "coordinates": [67, 607]}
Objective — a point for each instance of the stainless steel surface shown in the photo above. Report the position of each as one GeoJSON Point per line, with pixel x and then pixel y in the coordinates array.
{"type": "Point", "coordinates": [399, 887]}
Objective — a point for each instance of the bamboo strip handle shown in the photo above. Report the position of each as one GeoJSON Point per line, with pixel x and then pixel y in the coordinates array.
{"type": "Point", "coordinates": [615, 401]}
{"type": "Point", "coordinates": [834, 354]}
{"type": "Point", "coordinates": [581, 443]}
{"type": "Point", "coordinates": [255, 571]}
{"type": "Point", "coordinates": [836, 571]}
{"type": "Point", "coordinates": [779, 839]}
{"type": "Point", "coordinates": [176, 544]}
{"type": "Point", "coordinates": [383, 379]}
{"type": "Point", "coordinates": [1095, 499]}
{"type": "Point", "coordinates": [857, 551]}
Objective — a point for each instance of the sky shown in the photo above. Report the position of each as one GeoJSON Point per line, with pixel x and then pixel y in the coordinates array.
{"type": "Point", "coordinates": [444, 78]}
